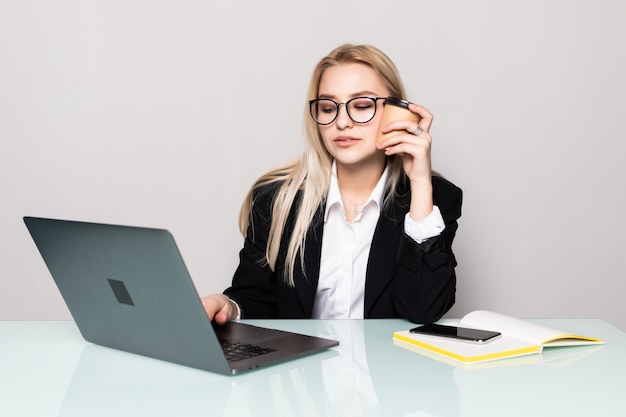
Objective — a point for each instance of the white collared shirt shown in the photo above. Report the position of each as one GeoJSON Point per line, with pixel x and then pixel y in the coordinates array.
{"type": "Point", "coordinates": [345, 251]}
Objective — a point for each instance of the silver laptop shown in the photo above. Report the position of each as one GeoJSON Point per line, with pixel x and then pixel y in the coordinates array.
{"type": "Point", "coordinates": [127, 288]}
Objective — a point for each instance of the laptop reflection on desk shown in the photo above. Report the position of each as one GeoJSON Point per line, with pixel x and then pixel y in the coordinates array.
{"type": "Point", "coordinates": [109, 382]}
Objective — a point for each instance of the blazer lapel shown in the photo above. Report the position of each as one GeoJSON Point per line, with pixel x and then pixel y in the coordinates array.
{"type": "Point", "coordinates": [381, 263]}
{"type": "Point", "coordinates": [306, 281]}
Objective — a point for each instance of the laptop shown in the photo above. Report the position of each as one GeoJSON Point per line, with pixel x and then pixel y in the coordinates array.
{"type": "Point", "coordinates": [127, 288]}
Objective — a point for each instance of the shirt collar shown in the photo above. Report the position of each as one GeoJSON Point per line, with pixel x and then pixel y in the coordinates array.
{"type": "Point", "coordinates": [334, 196]}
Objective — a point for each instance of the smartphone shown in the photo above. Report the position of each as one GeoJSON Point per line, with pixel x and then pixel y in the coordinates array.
{"type": "Point", "coordinates": [458, 333]}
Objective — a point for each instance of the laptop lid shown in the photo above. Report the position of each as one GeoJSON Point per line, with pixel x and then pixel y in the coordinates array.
{"type": "Point", "coordinates": [127, 288]}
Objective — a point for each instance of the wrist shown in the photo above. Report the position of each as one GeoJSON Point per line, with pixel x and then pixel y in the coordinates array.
{"type": "Point", "coordinates": [421, 200]}
{"type": "Point", "coordinates": [421, 181]}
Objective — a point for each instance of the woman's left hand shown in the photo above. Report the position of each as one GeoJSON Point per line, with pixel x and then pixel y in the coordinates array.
{"type": "Point", "coordinates": [413, 142]}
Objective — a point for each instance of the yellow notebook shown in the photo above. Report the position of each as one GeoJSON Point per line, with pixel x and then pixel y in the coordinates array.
{"type": "Point", "coordinates": [519, 337]}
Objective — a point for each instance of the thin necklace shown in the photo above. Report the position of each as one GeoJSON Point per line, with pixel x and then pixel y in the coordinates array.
{"type": "Point", "coordinates": [355, 210]}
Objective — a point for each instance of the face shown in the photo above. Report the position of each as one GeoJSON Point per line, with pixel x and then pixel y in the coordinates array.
{"type": "Point", "coordinates": [352, 143]}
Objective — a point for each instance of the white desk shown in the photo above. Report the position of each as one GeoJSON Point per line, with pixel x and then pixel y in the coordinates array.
{"type": "Point", "coordinates": [47, 369]}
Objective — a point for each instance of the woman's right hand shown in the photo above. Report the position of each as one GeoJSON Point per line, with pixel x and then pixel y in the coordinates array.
{"type": "Point", "coordinates": [219, 307]}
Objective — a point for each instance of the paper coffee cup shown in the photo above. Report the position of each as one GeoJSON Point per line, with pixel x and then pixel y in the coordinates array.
{"type": "Point", "coordinates": [395, 109]}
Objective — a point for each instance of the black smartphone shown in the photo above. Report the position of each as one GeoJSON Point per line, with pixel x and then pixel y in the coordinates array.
{"type": "Point", "coordinates": [458, 333]}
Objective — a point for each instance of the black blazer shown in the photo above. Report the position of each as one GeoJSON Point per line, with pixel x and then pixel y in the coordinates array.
{"type": "Point", "coordinates": [403, 279]}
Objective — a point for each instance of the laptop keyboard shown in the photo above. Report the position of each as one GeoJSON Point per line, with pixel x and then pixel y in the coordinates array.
{"type": "Point", "coordinates": [236, 351]}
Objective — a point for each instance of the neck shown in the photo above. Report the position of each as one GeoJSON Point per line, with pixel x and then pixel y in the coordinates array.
{"type": "Point", "coordinates": [358, 182]}
{"type": "Point", "coordinates": [356, 185]}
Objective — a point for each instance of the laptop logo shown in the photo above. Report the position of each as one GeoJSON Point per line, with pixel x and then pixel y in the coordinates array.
{"type": "Point", "coordinates": [120, 291]}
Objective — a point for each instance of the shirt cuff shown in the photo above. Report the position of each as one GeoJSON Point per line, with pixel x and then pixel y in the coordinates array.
{"type": "Point", "coordinates": [431, 226]}
{"type": "Point", "coordinates": [238, 309]}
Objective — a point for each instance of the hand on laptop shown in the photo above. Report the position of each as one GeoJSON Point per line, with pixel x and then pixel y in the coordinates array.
{"type": "Point", "coordinates": [219, 308]}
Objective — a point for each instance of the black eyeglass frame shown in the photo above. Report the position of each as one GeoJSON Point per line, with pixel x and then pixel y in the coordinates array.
{"type": "Point", "coordinates": [374, 99]}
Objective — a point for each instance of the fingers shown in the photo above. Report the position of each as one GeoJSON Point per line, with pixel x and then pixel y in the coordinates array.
{"type": "Point", "coordinates": [222, 317]}
{"type": "Point", "coordinates": [413, 143]}
{"type": "Point", "coordinates": [210, 305]}
{"type": "Point", "coordinates": [426, 116]}
{"type": "Point", "coordinates": [217, 307]}
{"type": "Point", "coordinates": [406, 140]}
{"type": "Point", "coordinates": [425, 119]}
{"type": "Point", "coordinates": [417, 146]}
{"type": "Point", "coordinates": [419, 130]}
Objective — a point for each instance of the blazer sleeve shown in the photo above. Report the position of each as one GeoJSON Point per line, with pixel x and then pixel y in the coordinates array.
{"type": "Point", "coordinates": [254, 283]}
{"type": "Point", "coordinates": [425, 279]}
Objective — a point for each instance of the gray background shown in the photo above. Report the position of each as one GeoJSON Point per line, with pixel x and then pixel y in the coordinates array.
{"type": "Point", "coordinates": [162, 113]}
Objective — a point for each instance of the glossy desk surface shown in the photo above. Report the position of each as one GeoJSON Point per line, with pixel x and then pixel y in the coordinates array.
{"type": "Point", "coordinates": [47, 369]}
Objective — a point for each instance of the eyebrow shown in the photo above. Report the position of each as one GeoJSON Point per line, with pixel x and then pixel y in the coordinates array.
{"type": "Point", "coordinates": [365, 93]}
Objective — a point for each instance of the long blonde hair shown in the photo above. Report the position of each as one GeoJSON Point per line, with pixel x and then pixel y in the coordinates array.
{"type": "Point", "coordinates": [309, 173]}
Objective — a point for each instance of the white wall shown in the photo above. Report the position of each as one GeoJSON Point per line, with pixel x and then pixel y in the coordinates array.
{"type": "Point", "coordinates": [162, 113]}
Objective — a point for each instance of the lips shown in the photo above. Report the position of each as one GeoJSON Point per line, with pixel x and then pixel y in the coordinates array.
{"type": "Point", "coordinates": [345, 141]}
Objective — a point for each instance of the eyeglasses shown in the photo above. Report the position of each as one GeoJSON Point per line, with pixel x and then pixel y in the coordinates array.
{"type": "Point", "coordinates": [360, 109]}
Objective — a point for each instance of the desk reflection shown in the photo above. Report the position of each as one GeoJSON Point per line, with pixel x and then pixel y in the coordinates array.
{"type": "Point", "coordinates": [46, 369]}
{"type": "Point", "coordinates": [339, 382]}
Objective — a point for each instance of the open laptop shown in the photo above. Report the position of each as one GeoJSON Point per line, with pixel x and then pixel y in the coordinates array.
{"type": "Point", "coordinates": [128, 288]}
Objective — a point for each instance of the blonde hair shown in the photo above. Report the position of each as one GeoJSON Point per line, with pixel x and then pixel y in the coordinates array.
{"type": "Point", "coordinates": [309, 173]}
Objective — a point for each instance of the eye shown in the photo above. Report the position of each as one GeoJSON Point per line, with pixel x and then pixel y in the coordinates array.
{"type": "Point", "coordinates": [362, 104]}
{"type": "Point", "coordinates": [326, 106]}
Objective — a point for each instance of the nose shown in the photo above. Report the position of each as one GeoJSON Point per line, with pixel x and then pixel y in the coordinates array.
{"type": "Point", "coordinates": [343, 119]}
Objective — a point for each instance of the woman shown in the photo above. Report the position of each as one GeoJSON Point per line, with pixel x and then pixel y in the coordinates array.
{"type": "Point", "coordinates": [351, 228]}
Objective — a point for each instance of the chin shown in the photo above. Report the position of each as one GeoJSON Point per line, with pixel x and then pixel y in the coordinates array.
{"type": "Point", "coordinates": [358, 159]}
